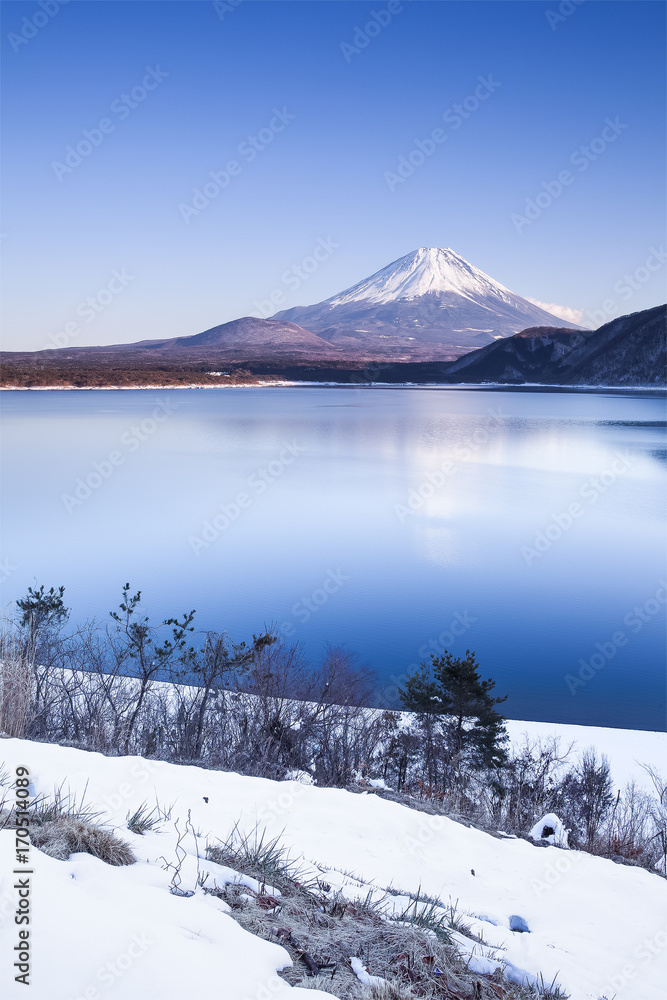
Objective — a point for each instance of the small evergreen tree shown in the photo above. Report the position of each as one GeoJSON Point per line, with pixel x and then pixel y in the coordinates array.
{"type": "Point", "coordinates": [41, 610]}
{"type": "Point", "coordinates": [456, 712]}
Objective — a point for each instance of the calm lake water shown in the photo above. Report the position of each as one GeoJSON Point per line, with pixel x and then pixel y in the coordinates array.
{"type": "Point", "coordinates": [527, 526]}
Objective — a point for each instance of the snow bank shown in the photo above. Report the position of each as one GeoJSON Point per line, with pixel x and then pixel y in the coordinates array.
{"type": "Point", "coordinates": [551, 829]}
{"type": "Point", "coordinates": [599, 928]}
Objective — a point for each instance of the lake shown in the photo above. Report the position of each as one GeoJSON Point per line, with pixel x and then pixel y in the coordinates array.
{"type": "Point", "coordinates": [525, 525]}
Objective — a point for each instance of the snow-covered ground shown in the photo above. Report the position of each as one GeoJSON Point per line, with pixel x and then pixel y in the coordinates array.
{"type": "Point", "coordinates": [106, 933]}
{"type": "Point", "coordinates": [627, 749]}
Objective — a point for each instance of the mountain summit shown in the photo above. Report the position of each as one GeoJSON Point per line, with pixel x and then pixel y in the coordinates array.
{"type": "Point", "coordinates": [431, 303]}
{"type": "Point", "coordinates": [429, 270]}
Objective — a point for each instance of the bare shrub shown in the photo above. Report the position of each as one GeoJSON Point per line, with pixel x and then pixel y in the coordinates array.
{"type": "Point", "coordinates": [585, 797]}
{"type": "Point", "coordinates": [630, 830]}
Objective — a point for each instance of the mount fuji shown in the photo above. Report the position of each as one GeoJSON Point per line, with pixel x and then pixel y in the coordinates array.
{"type": "Point", "coordinates": [432, 302]}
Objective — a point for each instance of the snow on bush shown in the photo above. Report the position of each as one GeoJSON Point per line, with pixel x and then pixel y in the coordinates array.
{"type": "Point", "coordinates": [551, 829]}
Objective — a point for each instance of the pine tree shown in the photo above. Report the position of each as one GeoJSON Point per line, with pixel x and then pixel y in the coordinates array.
{"type": "Point", "coordinates": [450, 698]}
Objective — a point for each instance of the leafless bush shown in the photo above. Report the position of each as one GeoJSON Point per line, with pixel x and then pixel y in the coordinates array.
{"type": "Point", "coordinates": [630, 831]}
{"type": "Point", "coordinates": [659, 815]}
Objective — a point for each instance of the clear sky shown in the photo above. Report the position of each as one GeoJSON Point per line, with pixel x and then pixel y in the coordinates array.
{"type": "Point", "coordinates": [314, 104]}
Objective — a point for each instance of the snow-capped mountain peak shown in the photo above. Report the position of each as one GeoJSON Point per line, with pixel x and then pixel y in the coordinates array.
{"type": "Point", "coordinates": [426, 270]}
{"type": "Point", "coordinates": [431, 304]}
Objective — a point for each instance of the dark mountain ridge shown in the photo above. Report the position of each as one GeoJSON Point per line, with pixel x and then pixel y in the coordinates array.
{"type": "Point", "coordinates": [629, 350]}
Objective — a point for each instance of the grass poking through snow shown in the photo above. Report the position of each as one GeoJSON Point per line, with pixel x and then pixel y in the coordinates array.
{"type": "Point", "coordinates": [412, 951]}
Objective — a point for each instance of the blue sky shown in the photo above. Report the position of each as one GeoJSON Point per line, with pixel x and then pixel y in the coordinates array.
{"type": "Point", "coordinates": [333, 105]}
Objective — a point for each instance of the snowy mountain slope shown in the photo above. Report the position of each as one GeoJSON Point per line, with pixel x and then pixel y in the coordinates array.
{"type": "Point", "coordinates": [431, 297]}
{"type": "Point", "coordinates": [595, 926]}
{"type": "Point", "coordinates": [428, 269]}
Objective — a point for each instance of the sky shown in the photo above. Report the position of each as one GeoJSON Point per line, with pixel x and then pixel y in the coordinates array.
{"type": "Point", "coordinates": [169, 166]}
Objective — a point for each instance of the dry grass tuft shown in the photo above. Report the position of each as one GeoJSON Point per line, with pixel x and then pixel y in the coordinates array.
{"type": "Point", "coordinates": [322, 931]}
{"type": "Point", "coordinates": [16, 675]}
{"type": "Point", "coordinates": [67, 835]}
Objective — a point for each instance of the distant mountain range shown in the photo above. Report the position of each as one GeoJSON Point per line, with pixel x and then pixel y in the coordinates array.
{"type": "Point", "coordinates": [430, 315]}
{"type": "Point", "coordinates": [431, 305]}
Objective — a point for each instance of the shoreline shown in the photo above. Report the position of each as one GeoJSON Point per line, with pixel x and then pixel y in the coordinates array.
{"type": "Point", "coordinates": [285, 383]}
